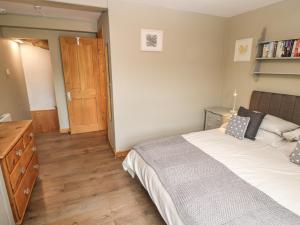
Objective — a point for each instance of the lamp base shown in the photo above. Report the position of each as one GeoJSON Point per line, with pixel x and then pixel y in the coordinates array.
{"type": "Point", "coordinates": [233, 112]}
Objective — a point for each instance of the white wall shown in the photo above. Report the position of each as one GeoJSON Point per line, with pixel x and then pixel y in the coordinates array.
{"type": "Point", "coordinates": [39, 77]}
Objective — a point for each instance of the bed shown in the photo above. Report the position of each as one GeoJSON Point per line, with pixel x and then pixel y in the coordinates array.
{"type": "Point", "coordinates": [246, 170]}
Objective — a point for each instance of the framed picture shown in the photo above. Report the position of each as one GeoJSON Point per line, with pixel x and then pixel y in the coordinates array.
{"type": "Point", "coordinates": [243, 50]}
{"type": "Point", "coordinates": [151, 40]}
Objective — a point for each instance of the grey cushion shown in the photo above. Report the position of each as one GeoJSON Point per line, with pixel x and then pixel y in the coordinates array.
{"type": "Point", "coordinates": [255, 120]}
{"type": "Point", "coordinates": [295, 156]}
{"type": "Point", "coordinates": [237, 126]}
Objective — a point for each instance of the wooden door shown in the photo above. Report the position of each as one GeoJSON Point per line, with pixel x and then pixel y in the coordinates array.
{"type": "Point", "coordinates": [82, 81]}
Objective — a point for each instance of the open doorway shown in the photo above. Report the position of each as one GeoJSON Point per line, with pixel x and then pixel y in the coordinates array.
{"type": "Point", "coordinates": [37, 67]}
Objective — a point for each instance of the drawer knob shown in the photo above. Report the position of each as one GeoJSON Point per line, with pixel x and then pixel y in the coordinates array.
{"type": "Point", "coordinates": [36, 167]}
{"type": "Point", "coordinates": [31, 135]}
{"type": "Point", "coordinates": [27, 191]}
{"type": "Point", "coordinates": [34, 149]}
{"type": "Point", "coordinates": [22, 170]}
{"type": "Point", "coordinates": [19, 152]}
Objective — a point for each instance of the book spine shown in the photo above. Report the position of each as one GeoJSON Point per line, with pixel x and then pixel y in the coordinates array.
{"type": "Point", "coordinates": [294, 53]}
{"type": "Point", "coordinates": [279, 49]}
{"type": "Point", "coordinates": [266, 51]}
{"type": "Point", "coordinates": [296, 49]}
{"type": "Point", "coordinates": [271, 49]}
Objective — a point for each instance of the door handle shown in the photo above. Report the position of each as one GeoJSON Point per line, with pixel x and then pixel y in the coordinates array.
{"type": "Point", "coordinates": [69, 97]}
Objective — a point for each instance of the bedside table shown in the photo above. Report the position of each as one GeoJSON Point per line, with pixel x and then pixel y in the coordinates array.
{"type": "Point", "coordinates": [216, 116]}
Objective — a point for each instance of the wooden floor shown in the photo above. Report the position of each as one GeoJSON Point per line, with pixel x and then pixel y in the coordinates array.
{"type": "Point", "coordinates": [82, 184]}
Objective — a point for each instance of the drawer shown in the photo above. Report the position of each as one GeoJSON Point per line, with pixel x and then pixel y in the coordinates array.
{"type": "Point", "coordinates": [212, 116]}
{"type": "Point", "coordinates": [14, 155]}
{"type": "Point", "coordinates": [28, 136]}
{"type": "Point", "coordinates": [212, 125]}
{"type": "Point", "coordinates": [215, 124]}
{"type": "Point", "coordinates": [20, 169]}
{"type": "Point", "coordinates": [23, 193]}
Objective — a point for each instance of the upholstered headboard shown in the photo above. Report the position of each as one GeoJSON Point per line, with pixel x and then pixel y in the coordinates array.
{"type": "Point", "coordinates": [284, 106]}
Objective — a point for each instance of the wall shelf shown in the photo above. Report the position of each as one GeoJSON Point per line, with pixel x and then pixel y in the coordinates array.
{"type": "Point", "coordinates": [260, 61]}
{"type": "Point", "coordinates": [268, 41]}
{"type": "Point", "coordinates": [274, 73]}
{"type": "Point", "coordinates": [277, 58]}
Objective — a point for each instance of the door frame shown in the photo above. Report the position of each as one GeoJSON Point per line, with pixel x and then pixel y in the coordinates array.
{"type": "Point", "coordinates": [104, 89]}
{"type": "Point", "coordinates": [105, 72]}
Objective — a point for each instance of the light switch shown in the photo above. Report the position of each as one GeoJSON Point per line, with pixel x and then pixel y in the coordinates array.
{"type": "Point", "coordinates": [7, 72]}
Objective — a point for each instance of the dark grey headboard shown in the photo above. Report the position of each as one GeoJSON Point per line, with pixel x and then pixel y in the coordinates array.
{"type": "Point", "coordinates": [284, 106]}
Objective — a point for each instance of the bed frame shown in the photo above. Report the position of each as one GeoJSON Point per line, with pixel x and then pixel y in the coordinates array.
{"type": "Point", "coordinates": [284, 106]}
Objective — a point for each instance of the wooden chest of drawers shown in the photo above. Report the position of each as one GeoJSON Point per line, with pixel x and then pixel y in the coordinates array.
{"type": "Point", "coordinates": [19, 163]}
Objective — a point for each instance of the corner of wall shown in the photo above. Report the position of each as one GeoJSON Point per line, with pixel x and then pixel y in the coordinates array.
{"type": "Point", "coordinates": [103, 23]}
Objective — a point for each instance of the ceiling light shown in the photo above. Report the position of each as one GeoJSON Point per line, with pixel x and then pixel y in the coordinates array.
{"type": "Point", "coordinates": [38, 9]}
{"type": "Point", "coordinates": [2, 11]}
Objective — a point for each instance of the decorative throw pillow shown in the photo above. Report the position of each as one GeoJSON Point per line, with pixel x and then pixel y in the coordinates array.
{"type": "Point", "coordinates": [295, 156]}
{"type": "Point", "coordinates": [255, 120]}
{"type": "Point", "coordinates": [237, 126]}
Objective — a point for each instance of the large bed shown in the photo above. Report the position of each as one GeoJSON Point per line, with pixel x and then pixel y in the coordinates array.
{"type": "Point", "coordinates": [261, 169]}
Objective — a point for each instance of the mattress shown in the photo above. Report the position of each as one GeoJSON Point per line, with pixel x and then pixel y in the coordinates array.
{"type": "Point", "coordinates": [265, 167]}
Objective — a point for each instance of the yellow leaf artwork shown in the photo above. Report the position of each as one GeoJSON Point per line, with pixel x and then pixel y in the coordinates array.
{"type": "Point", "coordinates": [243, 49]}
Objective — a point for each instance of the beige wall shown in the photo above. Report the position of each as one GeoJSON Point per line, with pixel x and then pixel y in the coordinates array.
{"type": "Point", "coordinates": [280, 21]}
{"type": "Point", "coordinates": [163, 93]}
{"type": "Point", "coordinates": [53, 39]}
{"type": "Point", "coordinates": [13, 95]}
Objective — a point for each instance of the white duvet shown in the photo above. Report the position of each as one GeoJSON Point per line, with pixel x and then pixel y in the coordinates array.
{"type": "Point", "coordinates": [261, 165]}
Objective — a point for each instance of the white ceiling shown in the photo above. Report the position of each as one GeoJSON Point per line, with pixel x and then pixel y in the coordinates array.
{"type": "Point", "coordinates": [49, 11]}
{"type": "Point", "coordinates": [223, 8]}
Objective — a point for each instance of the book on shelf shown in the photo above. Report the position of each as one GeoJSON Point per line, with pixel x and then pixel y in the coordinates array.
{"type": "Point", "coordinates": [265, 52]}
{"type": "Point", "coordinates": [279, 51]}
{"type": "Point", "coordinates": [272, 49]}
{"type": "Point", "coordinates": [296, 48]}
{"type": "Point", "coordinates": [285, 48]}
{"type": "Point", "coordinates": [269, 49]}
{"type": "Point", "coordinates": [288, 48]}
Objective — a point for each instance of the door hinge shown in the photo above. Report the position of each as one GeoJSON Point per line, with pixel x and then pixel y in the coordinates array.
{"type": "Point", "coordinates": [78, 40]}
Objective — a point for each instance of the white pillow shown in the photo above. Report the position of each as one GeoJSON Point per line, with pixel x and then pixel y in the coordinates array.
{"type": "Point", "coordinates": [269, 138]}
{"type": "Point", "coordinates": [293, 135]}
{"type": "Point", "coordinates": [276, 125]}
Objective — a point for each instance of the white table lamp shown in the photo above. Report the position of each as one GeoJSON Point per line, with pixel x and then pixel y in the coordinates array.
{"type": "Point", "coordinates": [235, 94]}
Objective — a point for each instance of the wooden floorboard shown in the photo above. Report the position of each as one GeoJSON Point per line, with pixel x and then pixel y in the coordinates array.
{"type": "Point", "coordinates": [81, 183]}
